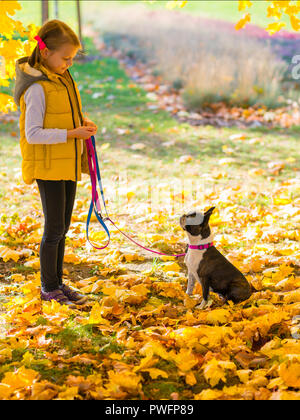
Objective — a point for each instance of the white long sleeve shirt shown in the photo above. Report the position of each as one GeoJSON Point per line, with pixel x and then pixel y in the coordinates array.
{"type": "Point", "coordinates": [34, 98]}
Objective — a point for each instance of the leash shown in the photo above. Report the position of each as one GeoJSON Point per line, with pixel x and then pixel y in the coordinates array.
{"type": "Point", "coordinates": [95, 202]}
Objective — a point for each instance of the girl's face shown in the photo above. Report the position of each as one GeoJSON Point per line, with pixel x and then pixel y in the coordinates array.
{"type": "Point", "coordinates": [60, 60]}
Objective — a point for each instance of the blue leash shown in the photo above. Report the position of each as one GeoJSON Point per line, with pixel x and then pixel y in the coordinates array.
{"type": "Point", "coordinates": [92, 156]}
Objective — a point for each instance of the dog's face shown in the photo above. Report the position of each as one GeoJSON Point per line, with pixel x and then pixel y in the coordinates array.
{"type": "Point", "coordinates": [196, 223]}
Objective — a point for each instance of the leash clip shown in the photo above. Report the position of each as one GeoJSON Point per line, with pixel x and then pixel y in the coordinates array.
{"type": "Point", "coordinates": [100, 215]}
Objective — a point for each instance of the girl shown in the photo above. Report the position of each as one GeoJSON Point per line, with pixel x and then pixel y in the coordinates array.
{"type": "Point", "coordinates": [52, 130]}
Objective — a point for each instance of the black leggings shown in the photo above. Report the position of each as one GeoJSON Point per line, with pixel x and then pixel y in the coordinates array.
{"type": "Point", "coordinates": [57, 200]}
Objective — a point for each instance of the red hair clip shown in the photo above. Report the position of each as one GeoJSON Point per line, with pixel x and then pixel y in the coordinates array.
{"type": "Point", "coordinates": [42, 44]}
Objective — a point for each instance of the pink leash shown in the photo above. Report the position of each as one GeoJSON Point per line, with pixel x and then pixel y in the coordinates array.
{"type": "Point", "coordinates": [95, 203]}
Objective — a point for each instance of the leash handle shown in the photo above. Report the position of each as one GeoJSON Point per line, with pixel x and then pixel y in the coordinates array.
{"type": "Point", "coordinates": [95, 203]}
{"type": "Point", "coordinates": [96, 165]}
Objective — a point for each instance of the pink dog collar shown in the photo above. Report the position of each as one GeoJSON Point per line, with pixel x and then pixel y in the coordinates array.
{"type": "Point", "coordinates": [204, 246]}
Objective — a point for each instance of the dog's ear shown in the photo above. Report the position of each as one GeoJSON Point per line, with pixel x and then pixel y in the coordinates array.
{"type": "Point", "coordinates": [207, 215]}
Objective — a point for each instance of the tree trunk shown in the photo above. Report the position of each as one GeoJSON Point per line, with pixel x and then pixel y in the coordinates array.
{"type": "Point", "coordinates": [56, 9]}
{"type": "Point", "coordinates": [45, 11]}
{"type": "Point", "coordinates": [79, 23]}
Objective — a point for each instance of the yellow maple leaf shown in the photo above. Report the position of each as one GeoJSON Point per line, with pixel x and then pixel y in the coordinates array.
{"type": "Point", "coordinates": [132, 257]}
{"type": "Point", "coordinates": [166, 258]}
{"type": "Point", "coordinates": [277, 347]}
{"type": "Point", "coordinates": [43, 391]}
{"type": "Point", "coordinates": [127, 380]}
{"type": "Point", "coordinates": [209, 394]}
{"type": "Point", "coordinates": [169, 289]}
{"type": "Point", "coordinates": [215, 371]}
{"type": "Point", "coordinates": [295, 22]}
{"type": "Point", "coordinates": [280, 201]}
{"type": "Point", "coordinates": [190, 379]}
{"type": "Point", "coordinates": [244, 375]}
{"type": "Point", "coordinates": [170, 266]}
{"type": "Point", "coordinates": [20, 378]}
{"type": "Point", "coordinates": [272, 28]}
{"type": "Point", "coordinates": [95, 315]}
{"type": "Point", "coordinates": [155, 373]}
{"type": "Point", "coordinates": [146, 362]}
{"type": "Point", "coordinates": [17, 277]}
{"type": "Point", "coordinates": [290, 373]}
{"type": "Point", "coordinates": [9, 254]}
{"type": "Point", "coordinates": [9, 7]}
{"type": "Point", "coordinates": [218, 316]}
{"type": "Point", "coordinates": [274, 12]}
{"type": "Point", "coordinates": [54, 308]}
{"type": "Point", "coordinates": [34, 263]}
{"type": "Point", "coordinates": [5, 391]}
{"type": "Point", "coordinates": [116, 356]}
{"type": "Point", "coordinates": [140, 289]}
{"type": "Point", "coordinates": [152, 347]}
{"type": "Point", "coordinates": [189, 303]}
{"type": "Point", "coordinates": [28, 360]}
{"type": "Point", "coordinates": [243, 4]}
{"type": "Point", "coordinates": [110, 289]}
{"type": "Point", "coordinates": [283, 395]}
{"type": "Point", "coordinates": [69, 394]}
{"type": "Point", "coordinates": [71, 258]}
{"type": "Point", "coordinates": [171, 4]}
{"type": "Point", "coordinates": [5, 354]}
{"type": "Point", "coordinates": [242, 22]}
{"type": "Point", "coordinates": [185, 359]}
{"type": "Point", "coordinates": [292, 296]}
{"type": "Point", "coordinates": [6, 102]}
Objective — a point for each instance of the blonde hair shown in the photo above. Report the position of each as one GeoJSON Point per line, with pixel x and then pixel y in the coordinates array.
{"type": "Point", "coordinates": [54, 33]}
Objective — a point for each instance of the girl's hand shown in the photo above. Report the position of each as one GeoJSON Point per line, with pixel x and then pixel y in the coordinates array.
{"type": "Point", "coordinates": [82, 132]}
{"type": "Point", "coordinates": [88, 123]}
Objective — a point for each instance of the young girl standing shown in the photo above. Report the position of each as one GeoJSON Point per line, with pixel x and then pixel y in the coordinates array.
{"type": "Point", "coordinates": [52, 130]}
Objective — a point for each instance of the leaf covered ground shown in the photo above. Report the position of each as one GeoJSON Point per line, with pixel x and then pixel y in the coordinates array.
{"type": "Point", "coordinates": [140, 336]}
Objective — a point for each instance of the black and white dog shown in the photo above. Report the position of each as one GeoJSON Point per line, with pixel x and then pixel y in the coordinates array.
{"type": "Point", "coordinates": [207, 265]}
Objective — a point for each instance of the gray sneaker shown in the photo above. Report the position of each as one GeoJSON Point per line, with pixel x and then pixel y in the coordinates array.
{"type": "Point", "coordinates": [72, 295]}
{"type": "Point", "coordinates": [58, 296]}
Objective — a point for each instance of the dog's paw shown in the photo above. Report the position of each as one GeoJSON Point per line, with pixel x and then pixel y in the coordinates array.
{"type": "Point", "coordinates": [189, 292]}
{"type": "Point", "coordinates": [204, 304]}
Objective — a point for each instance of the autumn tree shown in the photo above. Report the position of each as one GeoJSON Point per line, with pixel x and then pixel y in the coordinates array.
{"type": "Point", "coordinates": [11, 48]}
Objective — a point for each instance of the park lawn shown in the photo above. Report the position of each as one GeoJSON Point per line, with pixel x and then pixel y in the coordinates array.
{"type": "Point", "coordinates": [254, 223]}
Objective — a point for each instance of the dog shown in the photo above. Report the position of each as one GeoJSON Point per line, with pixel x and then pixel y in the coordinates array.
{"type": "Point", "coordinates": [207, 265]}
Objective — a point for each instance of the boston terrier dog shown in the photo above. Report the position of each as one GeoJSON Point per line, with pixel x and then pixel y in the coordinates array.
{"type": "Point", "coordinates": [207, 265]}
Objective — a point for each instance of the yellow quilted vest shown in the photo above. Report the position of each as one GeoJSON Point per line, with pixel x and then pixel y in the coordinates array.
{"type": "Point", "coordinates": [61, 161]}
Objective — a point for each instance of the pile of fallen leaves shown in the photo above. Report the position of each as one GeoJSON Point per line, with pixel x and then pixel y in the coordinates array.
{"type": "Point", "coordinates": [140, 336]}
